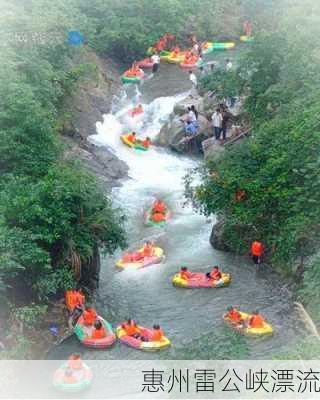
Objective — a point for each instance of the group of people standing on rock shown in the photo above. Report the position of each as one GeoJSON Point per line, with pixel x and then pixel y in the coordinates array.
{"type": "Point", "coordinates": [221, 119]}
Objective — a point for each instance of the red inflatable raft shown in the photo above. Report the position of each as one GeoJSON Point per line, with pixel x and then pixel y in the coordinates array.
{"type": "Point", "coordinates": [102, 343]}
{"type": "Point", "coordinates": [146, 63]}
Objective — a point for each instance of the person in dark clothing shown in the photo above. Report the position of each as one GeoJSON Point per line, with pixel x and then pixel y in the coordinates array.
{"type": "Point", "coordinates": [226, 116]}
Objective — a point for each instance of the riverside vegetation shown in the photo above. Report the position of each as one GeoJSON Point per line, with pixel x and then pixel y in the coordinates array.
{"type": "Point", "coordinates": [276, 169]}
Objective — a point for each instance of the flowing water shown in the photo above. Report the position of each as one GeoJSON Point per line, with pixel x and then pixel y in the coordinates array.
{"type": "Point", "coordinates": [192, 319]}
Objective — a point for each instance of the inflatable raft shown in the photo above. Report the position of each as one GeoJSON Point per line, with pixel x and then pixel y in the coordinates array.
{"type": "Point", "coordinates": [223, 45]}
{"type": "Point", "coordinates": [107, 341]}
{"type": "Point", "coordinates": [165, 55]}
{"type": "Point", "coordinates": [137, 145]}
{"type": "Point", "coordinates": [128, 77]}
{"type": "Point", "coordinates": [157, 257]}
{"type": "Point", "coordinates": [265, 330]}
{"type": "Point", "coordinates": [246, 39]}
{"type": "Point", "coordinates": [83, 382]}
{"type": "Point", "coordinates": [148, 218]}
{"type": "Point", "coordinates": [140, 344]}
{"type": "Point", "coordinates": [134, 112]}
{"type": "Point", "coordinates": [146, 63]}
{"type": "Point", "coordinates": [190, 64]}
{"type": "Point", "coordinates": [177, 58]}
{"type": "Point", "coordinates": [199, 280]}
{"type": "Point", "coordinates": [207, 48]}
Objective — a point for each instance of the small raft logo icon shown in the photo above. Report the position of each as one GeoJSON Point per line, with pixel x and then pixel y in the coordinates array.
{"type": "Point", "coordinates": [75, 38]}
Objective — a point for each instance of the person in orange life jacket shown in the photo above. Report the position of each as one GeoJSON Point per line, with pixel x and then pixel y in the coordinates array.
{"type": "Point", "coordinates": [158, 217]}
{"type": "Point", "coordinates": [132, 137]}
{"type": "Point", "coordinates": [257, 250]}
{"type": "Point", "coordinates": [146, 142]}
{"type": "Point", "coordinates": [215, 274]}
{"type": "Point", "coordinates": [175, 50]}
{"type": "Point", "coordinates": [137, 110]}
{"type": "Point", "coordinates": [157, 334]}
{"type": "Point", "coordinates": [234, 315]}
{"type": "Point", "coordinates": [256, 320]}
{"type": "Point", "coordinates": [159, 207]}
{"type": "Point", "coordinates": [69, 377]}
{"type": "Point", "coordinates": [89, 316]}
{"type": "Point", "coordinates": [99, 331]}
{"type": "Point", "coordinates": [148, 249]}
{"type": "Point", "coordinates": [131, 328]}
{"type": "Point", "coordinates": [75, 315]}
{"type": "Point", "coordinates": [75, 362]}
{"type": "Point", "coordinates": [185, 273]}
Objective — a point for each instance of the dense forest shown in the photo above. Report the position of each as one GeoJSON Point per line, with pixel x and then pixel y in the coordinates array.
{"type": "Point", "coordinates": [267, 187]}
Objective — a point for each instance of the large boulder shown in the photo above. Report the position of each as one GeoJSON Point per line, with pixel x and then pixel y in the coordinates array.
{"type": "Point", "coordinates": [212, 149]}
{"type": "Point", "coordinates": [172, 135]}
{"type": "Point", "coordinates": [182, 106]}
{"type": "Point", "coordinates": [216, 239]}
{"type": "Point", "coordinates": [209, 104]}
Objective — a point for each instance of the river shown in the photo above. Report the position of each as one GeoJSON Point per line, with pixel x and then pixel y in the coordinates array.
{"type": "Point", "coordinates": [192, 319]}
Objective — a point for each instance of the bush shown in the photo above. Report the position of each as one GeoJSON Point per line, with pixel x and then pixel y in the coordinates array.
{"type": "Point", "coordinates": [57, 222]}
{"type": "Point", "coordinates": [30, 315]}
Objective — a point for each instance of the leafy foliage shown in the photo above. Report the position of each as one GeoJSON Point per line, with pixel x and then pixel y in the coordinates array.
{"type": "Point", "coordinates": [53, 214]}
{"type": "Point", "coordinates": [277, 168]}
{"type": "Point", "coordinates": [56, 222]}
{"type": "Point", "coordinates": [126, 28]}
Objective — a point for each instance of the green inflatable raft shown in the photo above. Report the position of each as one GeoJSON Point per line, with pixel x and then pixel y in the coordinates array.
{"type": "Point", "coordinates": [82, 384]}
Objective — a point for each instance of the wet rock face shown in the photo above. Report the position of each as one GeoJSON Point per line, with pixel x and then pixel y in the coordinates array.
{"type": "Point", "coordinates": [173, 134]}
{"type": "Point", "coordinates": [86, 106]}
{"type": "Point", "coordinates": [216, 238]}
{"type": "Point", "coordinates": [211, 149]}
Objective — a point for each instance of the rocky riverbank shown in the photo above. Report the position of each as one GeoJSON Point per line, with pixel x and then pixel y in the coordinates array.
{"type": "Point", "coordinates": [85, 107]}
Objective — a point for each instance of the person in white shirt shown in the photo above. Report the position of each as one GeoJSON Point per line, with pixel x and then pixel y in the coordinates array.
{"type": "Point", "coordinates": [193, 79]}
{"type": "Point", "coordinates": [155, 62]}
{"type": "Point", "coordinates": [229, 66]}
{"type": "Point", "coordinates": [217, 123]}
{"type": "Point", "coordinates": [191, 115]}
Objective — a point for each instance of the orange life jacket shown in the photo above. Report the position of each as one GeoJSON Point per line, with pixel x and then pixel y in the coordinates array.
{"type": "Point", "coordinates": [215, 275]}
{"type": "Point", "coordinates": [156, 335]}
{"type": "Point", "coordinates": [69, 379]}
{"type": "Point", "coordinates": [130, 329]}
{"type": "Point", "coordinates": [136, 111]}
{"type": "Point", "coordinates": [158, 217]}
{"type": "Point", "coordinates": [256, 321]}
{"type": "Point", "coordinates": [147, 251]}
{"type": "Point", "coordinates": [98, 333]}
{"type": "Point", "coordinates": [185, 274]}
{"type": "Point", "coordinates": [73, 298]}
{"type": "Point", "coordinates": [89, 316]}
{"type": "Point", "coordinates": [234, 315]}
{"type": "Point", "coordinates": [159, 207]}
{"type": "Point", "coordinates": [257, 249]}
{"type": "Point", "coordinates": [146, 143]}
{"type": "Point", "coordinates": [131, 138]}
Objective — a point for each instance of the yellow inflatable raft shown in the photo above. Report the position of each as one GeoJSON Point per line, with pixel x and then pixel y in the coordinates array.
{"type": "Point", "coordinates": [139, 344]}
{"type": "Point", "coordinates": [125, 140]}
{"type": "Point", "coordinates": [199, 280]}
{"type": "Point", "coordinates": [156, 258]}
{"type": "Point", "coordinates": [265, 330]}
